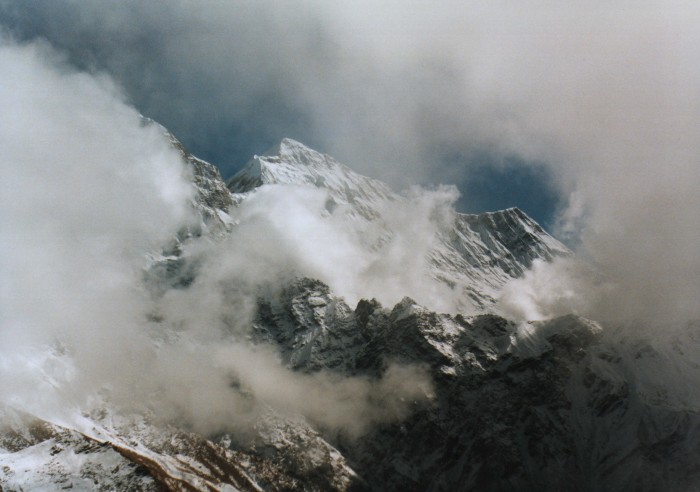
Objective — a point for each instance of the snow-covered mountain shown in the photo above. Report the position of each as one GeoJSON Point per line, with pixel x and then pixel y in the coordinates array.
{"type": "Point", "coordinates": [474, 256]}
{"type": "Point", "coordinates": [561, 404]}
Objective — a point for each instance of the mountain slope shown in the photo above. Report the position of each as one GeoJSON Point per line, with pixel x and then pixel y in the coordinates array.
{"type": "Point", "coordinates": [561, 404]}
{"type": "Point", "coordinates": [552, 405]}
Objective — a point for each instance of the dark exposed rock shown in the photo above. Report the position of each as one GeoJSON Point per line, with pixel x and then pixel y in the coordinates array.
{"type": "Point", "coordinates": [510, 411]}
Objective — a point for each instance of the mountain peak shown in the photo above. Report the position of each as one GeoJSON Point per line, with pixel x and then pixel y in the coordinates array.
{"type": "Point", "coordinates": [291, 162]}
{"type": "Point", "coordinates": [288, 146]}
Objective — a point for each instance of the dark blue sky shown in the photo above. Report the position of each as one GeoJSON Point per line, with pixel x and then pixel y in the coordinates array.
{"type": "Point", "coordinates": [513, 183]}
{"type": "Point", "coordinates": [234, 89]}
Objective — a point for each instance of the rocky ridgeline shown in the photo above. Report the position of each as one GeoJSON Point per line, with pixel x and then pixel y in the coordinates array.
{"type": "Point", "coordinates": [549, 405]}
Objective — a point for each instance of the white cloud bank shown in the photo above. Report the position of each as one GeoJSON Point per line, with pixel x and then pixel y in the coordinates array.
{"type": "Point", "coordinates": [87, 191]}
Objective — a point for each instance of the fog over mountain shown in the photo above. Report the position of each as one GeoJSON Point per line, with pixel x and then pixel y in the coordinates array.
{"type": "Point", "coordinates": [76, 232]}
{"type": "Point", "coordinates": [604, 97]}
{"type": "Point", "coordinates": [303, 301]}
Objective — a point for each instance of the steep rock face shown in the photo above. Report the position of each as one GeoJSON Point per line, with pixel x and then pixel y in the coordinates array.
{"type": "Point", "coordinates": [212, 198]}
{"type": "Point", "coordinates": [499, 421]}
{"type": "Point", "coordinates": [508, 239]}
{"type": "Point", "coordinates": [552, 405]}
{"type": "Point", "coordinates": [314, 328]}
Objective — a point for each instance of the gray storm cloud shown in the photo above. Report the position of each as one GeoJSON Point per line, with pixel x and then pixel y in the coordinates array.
{"type": "Point", "coordinates": [88, 192]}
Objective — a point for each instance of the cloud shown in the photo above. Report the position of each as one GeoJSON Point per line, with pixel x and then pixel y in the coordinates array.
{"type": "Point", "coordinates": [551, 289]}
{"type": "Point", "coordinates": [284, 231]}
{"type": "Point", "coordinates": [605, 97]}
{"type": "Point", "coordinates": [616, 118]}
{"type": "Point", "coordinates": [85, 191]}
{"type": "Point", "coordinates": [88, 191]}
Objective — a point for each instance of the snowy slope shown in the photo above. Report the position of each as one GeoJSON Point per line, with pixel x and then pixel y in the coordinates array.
{"type": "Point", "coordinates": [36, 455]}
{"type": "Point", "coordinates": [472, 255]}
{"type": "Point", "coordinates": [105, 451]}
{"type": "Point", "coordinates": [291, 162]}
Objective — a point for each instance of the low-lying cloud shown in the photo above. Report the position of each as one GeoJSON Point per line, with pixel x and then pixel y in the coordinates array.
{"type": "Point", "coordinates": [88, 191]}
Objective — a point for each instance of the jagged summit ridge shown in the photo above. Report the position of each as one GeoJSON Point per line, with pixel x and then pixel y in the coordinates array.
{"type": "Point", "coordinates": [509, 237]}
{"type": "Point", "coordinates": [288, 147]}
{"type": "Point", "coordinates": [475, 255]}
